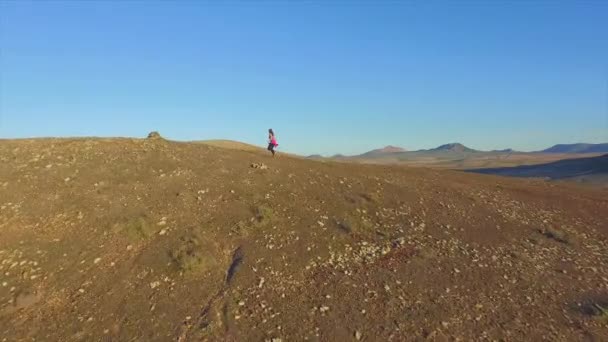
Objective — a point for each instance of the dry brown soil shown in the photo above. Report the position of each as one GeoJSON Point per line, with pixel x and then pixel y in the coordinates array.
{"type": "Point", "coordinates": [151, 240]}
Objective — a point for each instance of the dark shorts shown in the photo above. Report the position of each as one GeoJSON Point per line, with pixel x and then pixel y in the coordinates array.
{"type": "Point", "coordinates": [271, 147]}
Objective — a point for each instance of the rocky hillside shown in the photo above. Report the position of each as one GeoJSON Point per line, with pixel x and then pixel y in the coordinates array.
{"type": "Point", "coordinates": [151, 240]}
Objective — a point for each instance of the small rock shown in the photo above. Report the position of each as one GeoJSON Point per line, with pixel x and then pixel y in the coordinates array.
{"type": "Point", "coordinates": [324, 308]}
{"type": "Point", "coordinates": [154, 284]}
{"type": "Point", "coordinates": [358, 335]}
{"type": "Point", "coordinates": [260, 166]}
{"type": "Point", "coordinates": [129, 247]}
{"type": "Point", "coordinates": [162, 231]}
{"type": "Point", "coordinates": [97, 260]}
{"type": "Point", "coordinates": [154, 135]}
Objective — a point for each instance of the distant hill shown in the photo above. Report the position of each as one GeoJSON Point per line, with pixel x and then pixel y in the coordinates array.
{"type": "Point", "coordinates": [590, 169]}
{"type": "Point", "coordinates": [383, 151]}
{"type": "Point", "coordinates": [577, 148]}
{"type": "Point", "coordinates": [232, 145]}
{"type": "Point", "coordinates": [453, 147]}
{"type": "Point", "coordinates": [315, 156]}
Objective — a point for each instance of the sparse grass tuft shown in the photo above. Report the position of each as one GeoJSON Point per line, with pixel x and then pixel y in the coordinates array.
{"type": "Point", "coordinates": [136, 228]}
{"type": "Point", "coordinates": [355, 224]}
{"type": "Point", "coordinates": [191, 256]}
{"type": "Point", "coordinates": [263, 215]}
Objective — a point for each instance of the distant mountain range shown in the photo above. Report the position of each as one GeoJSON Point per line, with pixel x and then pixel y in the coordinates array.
{"type": "Point", "coordinates": [577, 148]}
{"type": "Point", "coordinates": [458, 148]}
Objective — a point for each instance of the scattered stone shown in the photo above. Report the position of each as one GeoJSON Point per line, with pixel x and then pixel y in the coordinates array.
{"type": "Point", "coordinates": [162, 231]}
{"type": "Point", "coordinates": [358, 335]}
{"type": "Point", "coordinates": [154, 284]}
{"type": "Point", "coordinates": [97, 260]}
{"type": "Point", "coordinates": [324, 309]}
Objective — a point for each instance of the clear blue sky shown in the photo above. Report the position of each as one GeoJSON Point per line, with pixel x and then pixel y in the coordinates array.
{"type": "Point", "coordinates": [329, 77]}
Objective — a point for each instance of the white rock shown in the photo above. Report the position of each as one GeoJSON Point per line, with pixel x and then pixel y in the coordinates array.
{"type": "Point", "coordinates": [97, 260]}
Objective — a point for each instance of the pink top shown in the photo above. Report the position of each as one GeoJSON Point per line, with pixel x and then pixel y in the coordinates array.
{"type": "Point", "coordinates": [273, 140]}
